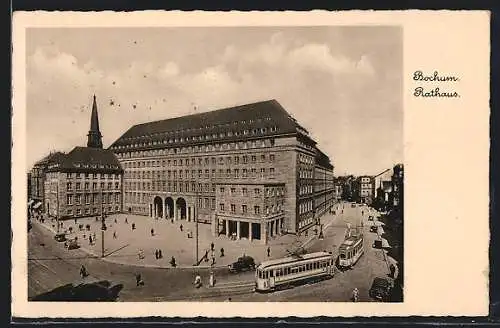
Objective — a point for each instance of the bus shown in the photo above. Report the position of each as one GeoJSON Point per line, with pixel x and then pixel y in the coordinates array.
{"type": "Point", "coordinates": [289, 271]}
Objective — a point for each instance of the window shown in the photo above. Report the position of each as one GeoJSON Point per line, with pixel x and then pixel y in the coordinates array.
{"type": "Point", "coordinates": [78, 212]}
{"type": "Point", "coordinates": [233, 190]}
{"type": "Point", "coordinates": [70, 212]}
{"type": "Point", "coordinates": [244, 191]}
{"type": "Point", "coordinates": [69, 199]}
{"type": "Point", "coordinates": [78, 176]}
{"type": "Point", "coordinates": [244, 209]}
{"type": "Point", "coordinates": [271, 172]}
{"type": "Point", "coordinates": [233, 208]}
{"type": "Point", "coordinates": [94, 185]}
{"type": "Point", "coordinates": [271, 158]}
{"type": "Point", "coordinates": [69, 186]}
{"type": "Point", "coordinates": [245, 173]}
{"type": "Point", "coordinates": [254, 158]}
{"type": "Point", "coordinates": [86, 186]}
{"type": "Point", "coordinates": [87, 199]}
{"type": "Point", "coordinates": [256, 191]}
{"type": "Point", "coordinates": [221, 207]}
{"type": "Point", "coordinates": [221, 190]}
{"type": "Point", "coordinates": [262, 158]}
{"type": "Point", "coordinates": [236, 173]}
{"type": "Point", "coordinates": [256, 209]}
{"type": "Point", "coordinates": [245, 159]}
{"type": "Point", "coordinates": [78, 186]}
{"type": "Point", "coordinates": [68, 175]}
{"type": "Point", "coordinates": [78, 199]}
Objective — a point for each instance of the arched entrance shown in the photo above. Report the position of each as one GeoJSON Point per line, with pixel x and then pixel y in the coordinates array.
{"type": "Point", "coordinates": [180, 208]}
{"type": "Point", "coordinates": [169, 207]}
{"type": "Point", "coordinates": [158, 207]}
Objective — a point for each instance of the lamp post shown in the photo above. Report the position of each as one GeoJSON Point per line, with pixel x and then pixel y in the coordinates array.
{"type": "Point", "coordinates": [196, 225]}
{"type": "Point", "coordinates": [103, 225]}
{"type": "Point", "coordinates": [57, 206]}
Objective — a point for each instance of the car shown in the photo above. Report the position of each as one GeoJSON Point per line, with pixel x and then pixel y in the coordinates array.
{"type": "Point", "coordinates": [243, 263]}
{"type": "Point", "coordinates": [380, 289]}
{"type": "Point", "coordinates": [73, 244]}
{"type": "Point", "coordinates": [60, 237]}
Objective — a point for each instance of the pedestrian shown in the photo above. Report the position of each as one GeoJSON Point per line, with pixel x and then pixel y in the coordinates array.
{"type": "Point", "coordinates": [355, 295]}
{"type": "Point", "coordinates": [181, 227]}
{"type": "Point", "coordinates": [114, 234]}
{"type": "Point", "coordinates": [172, 262]}
{"type": "Point", "coordinates": [133, 226]}
{"type": "Point", "coordinates": [212, 279]}
{"type": "Point", "coordinates": [83, 272]}
{"type": "Point", "coordinates": [116, 221]}
{"type": "Point", "coordinates": [213, 260]}
{"type": "Point", "coordinates": [126, 220]}
{"type": "Point", "coordinates": [138, 279]}
{"type": "Point", "coordinates": [152, 232]}
{"type": "Point", "coordinates": [268, 251]}
{"type": "Point", "coordinates": [212, 246]}
{"type": "Point", "coordinates": [94, 236]}
{"type": "Point", "coordinates": [75, 220]}
{"type": "Point", "coordinates": [362, 213]}
{"type": "Point", "coordinates": [160, 255]}
{"type": "Point", "coordinates": [156, 254]}
{"type": "Point", "coordinates": [90, 240]}
{"type": "Point", "coordinates": [222, 252]}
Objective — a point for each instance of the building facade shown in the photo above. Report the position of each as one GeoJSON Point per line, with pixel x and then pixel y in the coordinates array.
{"type": "Point", "coordinates": [37, 178]}
{"type": "Point", "coordinates": [364, 189]}
{"type": "Point", "coordinates": [85, 182]}
{"type": "Point", "coordinates": [174, 166]}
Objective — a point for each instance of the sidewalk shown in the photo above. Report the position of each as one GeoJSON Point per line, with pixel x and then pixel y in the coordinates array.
{"type": "Point", "coordinates": [172, 241]}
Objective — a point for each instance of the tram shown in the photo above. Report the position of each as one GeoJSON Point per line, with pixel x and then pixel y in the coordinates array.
{"type": "Point", "coordinates": [285, 272]}
{"type": "Point", "coordinates": [351, 249]}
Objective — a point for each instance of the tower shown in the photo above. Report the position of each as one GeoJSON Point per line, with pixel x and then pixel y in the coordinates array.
{"type": "Point", "coordinates": [94, 137]}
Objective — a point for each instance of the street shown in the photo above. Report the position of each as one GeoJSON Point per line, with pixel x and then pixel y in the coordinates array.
{"type": "Point", "coordinates": [51, 266]}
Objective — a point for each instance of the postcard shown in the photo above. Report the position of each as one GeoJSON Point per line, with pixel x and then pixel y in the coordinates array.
{"type": "Point", "coordinates": [250, 164]}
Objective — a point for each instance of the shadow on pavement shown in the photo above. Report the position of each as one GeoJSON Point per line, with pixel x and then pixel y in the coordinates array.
{"type": "Point", "coordinates": [100, 291]}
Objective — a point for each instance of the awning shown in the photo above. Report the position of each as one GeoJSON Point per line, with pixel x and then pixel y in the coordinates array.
{"type": "Point", "coordinates": [37, 205]}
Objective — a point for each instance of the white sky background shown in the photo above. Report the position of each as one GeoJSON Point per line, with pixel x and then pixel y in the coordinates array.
{"type": "Point", "coordinates": [343, 84]}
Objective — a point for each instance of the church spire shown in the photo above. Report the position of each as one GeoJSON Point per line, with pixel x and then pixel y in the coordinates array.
{"type": "Point", "coordinates": [94, 139]}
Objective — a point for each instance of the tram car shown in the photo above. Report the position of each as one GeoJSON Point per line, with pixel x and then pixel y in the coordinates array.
{"type": "Point", "coordinates": [351, 250]}
{"type": "Point", "coordinates": [293, 270]}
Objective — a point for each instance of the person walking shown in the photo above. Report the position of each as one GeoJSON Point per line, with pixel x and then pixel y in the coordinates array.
{"type": "Point", "coordinates": [152, 232]}
{"type": "Point", "coordinates": [114, 234]}
{"type": "Point", "coordinates": [172, 262]}
{"type": "Point", "coordinates": [90, 239]}
{"type": "Point", "coordinates": [160, 255]}
{"type": "Point", "coordinates": [268, 251]}
{"type": "Point", "coordinates": [212, 246]}
{"type": "Point", "coordinates": [181, 227]}
{"type": "Point", "coordinates": [138, 279]}
{"type": "Point", "coordinates": [83, 272]}
{"type": "Point", "coordinates": [126, 220]}
{"type": "Point", "coordinates": [156, 254]}
{"type": "Point", "coordinates": [221, 252]}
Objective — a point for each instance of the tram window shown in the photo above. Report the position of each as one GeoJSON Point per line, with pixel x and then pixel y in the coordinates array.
{"type": "Point", "coordinates": [308, 267]}
{"type": "Point", "coordinates": [315, 265]}
{"type": "Point", "coordinates": [271, 273]}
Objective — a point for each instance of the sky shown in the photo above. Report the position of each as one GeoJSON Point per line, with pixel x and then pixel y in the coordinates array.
{"type": "Point", "coordinates": [343, 84]}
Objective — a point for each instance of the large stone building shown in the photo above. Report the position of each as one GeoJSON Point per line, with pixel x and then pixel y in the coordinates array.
{"type": "Point", "coordinates": [37, 179]}
{"type": "Point", "coordinates": [85, 182]}
{"type": "Point", "coordinates": [176, 169]}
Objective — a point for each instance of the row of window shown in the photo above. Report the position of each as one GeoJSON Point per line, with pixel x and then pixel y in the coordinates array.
{"type": "Point", "coordinates": [278, 208]}
{"type": "Point", "coordinates": [305, 206]}
{"type": "Point", "coordinates": [306, 159]}
{"type": "Point", "coordinates": [69, 186]}
{"type": "Point", "coordinates": [176, 138]}
{"type": "Point", "coordinates": [245, 159]}
{"type": "Point", "coordinates": [305, 189]}
{"type": "Point", "coordinates": [92, 199]}
{"type": "Point", "coordinates": [92, 175]}
{"type": "Point", "coordinates": [201, 174]}
{"type": "Point", "coordinates": [170, 186]}
{"type": "Point", "coordinates": [306, 222]}
{"type": "Point", "coordinates": [193, 149]}
{"type": "Point", "coordinates": [276, 191]}
{"type": "Point", "coordinates": [94, 210]}
{"type": "Point", "coordinates": [305, 174]}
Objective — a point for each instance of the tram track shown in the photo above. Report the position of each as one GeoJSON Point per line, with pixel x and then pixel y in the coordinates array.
{"type": "Point", "coordinates": [223, 289]}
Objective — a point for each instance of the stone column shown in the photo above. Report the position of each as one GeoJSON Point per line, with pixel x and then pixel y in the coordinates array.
{"type": "Point", "coordinates": [164, 209]}
{"type": "Point", "coordinates": [238, 229]}
{"type": "Point", "coordinates": [250, 231]}
{"type": "Point", "coordinates": [227, 228]}
{"type": "Point", "coordinates": [277, 227]}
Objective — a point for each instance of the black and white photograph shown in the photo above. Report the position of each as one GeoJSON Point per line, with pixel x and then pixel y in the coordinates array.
{"type": "Point", "coordinates": [215, 164]}
{"type": "Point", "coordinates": [249, 164]}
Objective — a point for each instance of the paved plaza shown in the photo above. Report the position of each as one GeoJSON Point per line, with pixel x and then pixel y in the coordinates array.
{"type": "Point", "coordinates": [122, 244]}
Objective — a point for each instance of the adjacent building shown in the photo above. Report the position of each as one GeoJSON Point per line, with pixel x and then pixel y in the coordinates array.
{"type": "Point", "coordinates": [389, 192]}
{"type": "Point", "coordinates": [37, 179]}
{"type": "Point", "coordinates": [364, 189]}
{"type": "Point", "coordinates": [220, 165]}
{"type": "Point", "coordinates": [87, 181]}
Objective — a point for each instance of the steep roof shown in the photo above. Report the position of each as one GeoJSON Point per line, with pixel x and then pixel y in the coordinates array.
{"type": "Point", "coordinates": [323, 159]}
{"type": "Point", "coordinates": [259, 119]}
{"type": "Point", "coordinates": [88, 159]}
{"type": "Point", "coordinates": [56, 156]}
